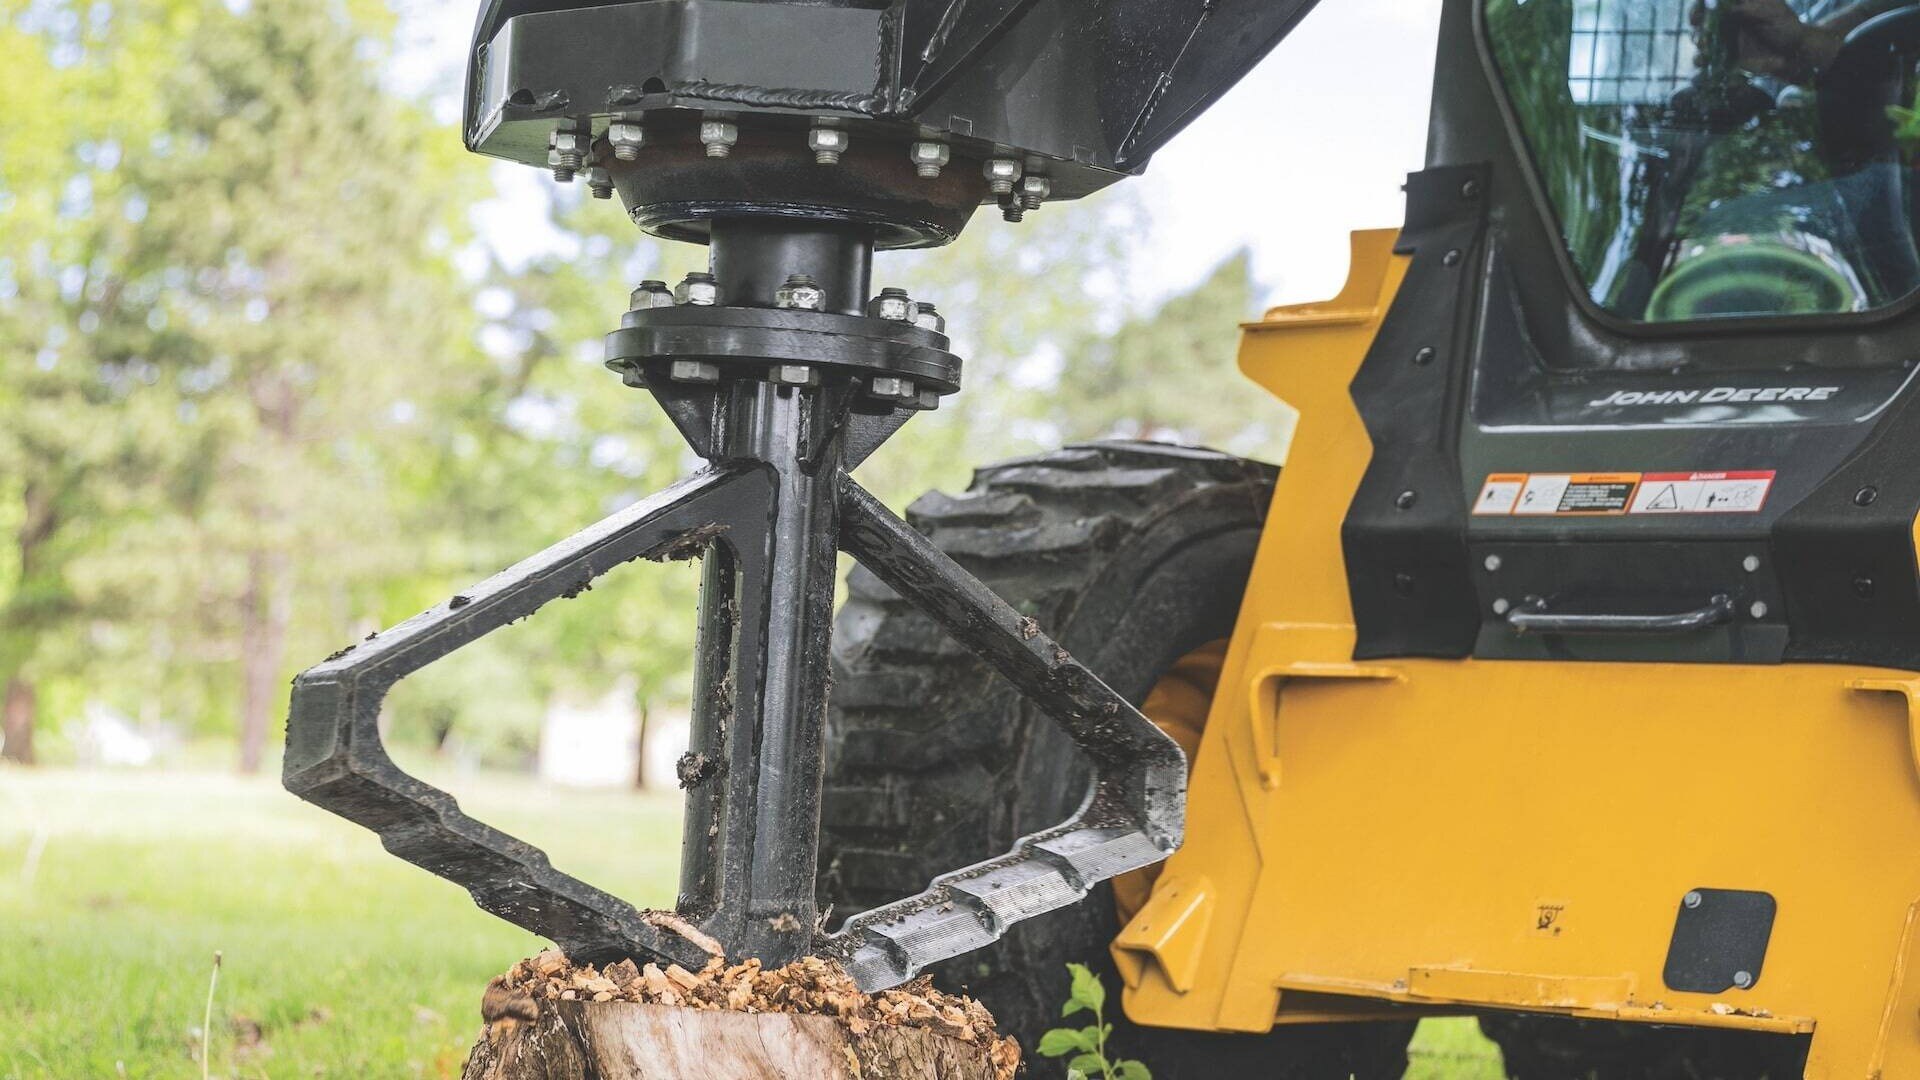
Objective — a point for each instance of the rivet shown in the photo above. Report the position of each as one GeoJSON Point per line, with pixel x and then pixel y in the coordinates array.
{"type": "Point", "coordinates": [1759, 609]}
{"type": "Point", "coordinates": [1452, 258]}
{"type": "Point", "coordinates": [1426, 356]}
{"type": "Point", "coordinates": [1403, 584]}
{"type": "Point", "coordinates": [1751, 563]}
{"type": "Point", "coordinates": [1405, 500]}
{"type": "Point", "coordinates": [1492, 563]}
{"type": "Point", "coordinates": [1470, 189]}
{"type": "Point", "coordinates": [1502, 606]}
{"type": "Point", "coordinates": [1866, 496]}
{"type": "Point", "coordinates": [1863, 587]}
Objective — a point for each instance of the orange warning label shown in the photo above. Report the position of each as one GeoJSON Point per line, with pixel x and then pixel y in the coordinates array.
{"type": "Point", "coordinates": [1601, 494]}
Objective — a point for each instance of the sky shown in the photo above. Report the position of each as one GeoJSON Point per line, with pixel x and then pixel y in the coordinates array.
{"type": "Point", "coordinates": [1311, 145]}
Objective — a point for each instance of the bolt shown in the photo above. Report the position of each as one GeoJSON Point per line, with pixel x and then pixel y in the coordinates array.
{"type": "Point", "coordinates": [1001, 173]}
{"type": "Point", "coordinates": [1759, 609]}
{"type": "Point", "coordinates": [626, 138]}
{"type": "Point", "coordinates": [892, 304]}
{"type": "Point", "coordinates": [598, 183]}
{"type": "Point", "coordinates": [1751, 563]}
{"type": "Point", "coordinates": [1426, 355]}
{"type": "Point", "coordinates": [1502, 606]}
{"type": "Point", "coordinates": [800, 293]}
{"type": "Point", "coordinates": [695, 371]}
{"type": "Point", "coordinates": [1866, 496]}
{"type": "Point", "coordinates": [929, 158]}
{"type": "Point", "coordinates": [1693, 899]}
{"type": "Point", "coordinates": [1470, 189]}
{"type": "Point", "coordinates": [893, 388]}
{"type": "Point", "coordinates": [929, 318]}
{"type": "Point", "coordinates": [1492, 563]}
{"type": "Point", "coordinates": [1743, 979]}
{"type": "Point", "coordinates": [698, 289]}
{"type": "Point", "coordinates": [1863, 587]}
{"type": "Point", "coordinates": [929, 399]}
{"type": "Point", "coordinates": [1405, 500]}
{"type": "Point", "coordinates": [718, 136]}
{"type": "Point", "coordinates": [793, 375]}
{"type": "Point", "coordinates": [566, 152]}
{"type": "Point", "coordinates": [1013, 209]}
{"type": "Point", "coordinates": [1034, 191]}
{"type": "Point", "coordinates": [650, 293]}
{"type": "Point", "coordinates": [1452, 258]}
{"type": "Point", "coordinates": [827, 144]}
{"type": "Point", "coordinates": [1403, 584]}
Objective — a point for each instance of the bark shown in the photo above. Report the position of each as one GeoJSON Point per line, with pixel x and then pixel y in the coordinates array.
{"type": "Point", "coordinates": [16, 722]}
{"type": "Point", "coordinates": [264, 615]}
{"type": "Point", "coordinates": [621, 1040]}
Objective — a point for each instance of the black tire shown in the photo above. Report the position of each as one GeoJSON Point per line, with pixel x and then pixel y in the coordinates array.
{"type": "Point", "coordinates": [1557, 1048]}
{"type": "Point", "coordinates": [1131, 555]}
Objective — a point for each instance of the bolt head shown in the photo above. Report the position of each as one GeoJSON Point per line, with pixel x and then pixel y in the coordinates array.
{"type": "Point", "coordinates": [1759, 609]}
{"type": "Point", "coordinates": [929, 157]}
{"type": "Point", "coordinates": [694, 371]}
{"type": "Point", "coordinates": [1750, 564]}
{"type": "Point", "coordinates": [718, 136]}
{"type": "Point", "coordinates": [929, 400]}
{"type": "Point", "coordinates": [1502, 606]}
{"type": "Point", "coordinates": [626, 138]}
{"type": "Point", "coordinates": [793, 375]}
{"type": "Point", "coordinates": [1454, 257]}
{"type": "Point", "coordinates": [1743, 979]}
{"type": "Point", "coordinates": [827, 144]}
{"type": "Point", "coordinates": [650, 294]}
{"type": "Point", "coordinates": [1001, 174]}
{"type": "Point", "coordinates": [892, 304]}
{"type": "Point", "coordinates": [929, 318]}
{"type": "Point", "coordinates": [1405, 500]}
{"type": "Point", "coordinates": [800, 293]}
{"type": "Point", "coordinates": [1693, 899]}
{"type": "Point", "coordinates": [1493, 563]}
{"type": "Point", "coordinates": [700, 290]}
{"type": "Point", "coordinates": [1866, 496]}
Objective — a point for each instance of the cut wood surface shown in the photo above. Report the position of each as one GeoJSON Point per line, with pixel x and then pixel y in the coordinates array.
{"type": "Point", "coordinates": [621, 1040]}
{"type": "Point", "coordinates": [548, 1019]}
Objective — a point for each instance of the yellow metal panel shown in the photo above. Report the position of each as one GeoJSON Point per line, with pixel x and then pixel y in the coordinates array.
{"type": "Point", "coordinates": [1500, 834]}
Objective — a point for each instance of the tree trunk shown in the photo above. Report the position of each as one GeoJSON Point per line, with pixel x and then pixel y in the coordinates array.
{"type": "Point", "coordinates": [640, 752]}
{"type": "Point", "coordinates": [16, 722]}
{"type": "Point", "coordinates": [264, 614]}
{"type": "Point", "coordinates": [621, 1040]}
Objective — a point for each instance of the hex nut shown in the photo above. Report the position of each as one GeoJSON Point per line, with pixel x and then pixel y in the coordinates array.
{"type": "Point", "coordinates": [893, 304]}
{"type": "Point", "coordinates": [649, 294]}
{"type": "Point", "coordinates": [827, 144]}
{"type": "Point", "coordinates": [698, 289]}
{"type": "Point", "coordinates": [718, 136]}
{"type": "Point", "coordinates": [793, 375]}
{"type": "Point", "coordinates": [929, 400]}
{"type": "Point", "coordinates": [894, 388]}
{"type": "Point", "coordinates": [566, 154]}
{"type": "Point", "coordinates": [694, 371]}
{"type": "Point", "coordinates": [929, 157]}
{"type": "Point", "coordinates": [928, 317]}
{"type": "Point", "coordinates": [1001, 174]}
{"type": "Point", "coordinates": [800, 293]}
{"type": "Point", "coordinates": [1034, 191]}
{"type": "Point", "coordinates": [626, 138]}
{"type": "Point", "coordinates": [598, 183]}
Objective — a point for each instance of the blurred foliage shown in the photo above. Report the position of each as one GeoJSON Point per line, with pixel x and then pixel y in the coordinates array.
{"type": "Point", "coordinates": [267, 388]}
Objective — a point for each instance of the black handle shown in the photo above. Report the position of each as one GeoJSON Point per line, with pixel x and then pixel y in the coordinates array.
{"type": "Point", "coordinates": [1533, 617]}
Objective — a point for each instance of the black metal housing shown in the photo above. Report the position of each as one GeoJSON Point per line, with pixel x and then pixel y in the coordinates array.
{"type": "Point", "coordinates": [1521, 377]}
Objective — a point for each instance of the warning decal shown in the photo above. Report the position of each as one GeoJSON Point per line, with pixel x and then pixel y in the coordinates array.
{"type": "Point", "coordinates": [1589, 494]}
{"type": "Point", "coordinates": [1702, 493]}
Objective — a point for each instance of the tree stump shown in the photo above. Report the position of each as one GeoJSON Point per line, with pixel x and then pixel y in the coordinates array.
{"type": "Point", "coordinates": [623, 1040]}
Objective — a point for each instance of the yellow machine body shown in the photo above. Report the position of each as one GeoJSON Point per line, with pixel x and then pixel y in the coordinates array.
{"type": "Point", "coordinates": [1412, 836]}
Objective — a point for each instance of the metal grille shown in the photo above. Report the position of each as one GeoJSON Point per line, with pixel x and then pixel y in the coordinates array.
{"type": "Point", "coordinates": [1630, 53]}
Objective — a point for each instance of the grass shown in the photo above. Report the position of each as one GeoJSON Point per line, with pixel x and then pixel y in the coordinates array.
{"type": "Point", "coordinates": [338, 959]}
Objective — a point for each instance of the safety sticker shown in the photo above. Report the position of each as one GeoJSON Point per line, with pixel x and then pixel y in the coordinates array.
{"type": "Point", "coordinates": [1602, 494]}
{"type": "Point", "coordinates": [1703, 493]}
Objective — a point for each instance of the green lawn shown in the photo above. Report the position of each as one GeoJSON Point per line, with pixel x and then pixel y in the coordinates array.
{"type": "Point", "coordinates": [339, 960]}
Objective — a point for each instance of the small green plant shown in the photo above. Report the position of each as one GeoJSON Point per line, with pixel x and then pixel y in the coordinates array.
{"type": "Point", "coordinates": [1088, 1045]}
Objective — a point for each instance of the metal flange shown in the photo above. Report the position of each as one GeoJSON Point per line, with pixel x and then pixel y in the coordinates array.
{"type": "Point", "coordinates": [757, 338]}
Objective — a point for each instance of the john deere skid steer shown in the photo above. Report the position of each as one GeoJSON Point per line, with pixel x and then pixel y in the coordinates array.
{"type": "Point", "coordinates": [1567, 675]}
